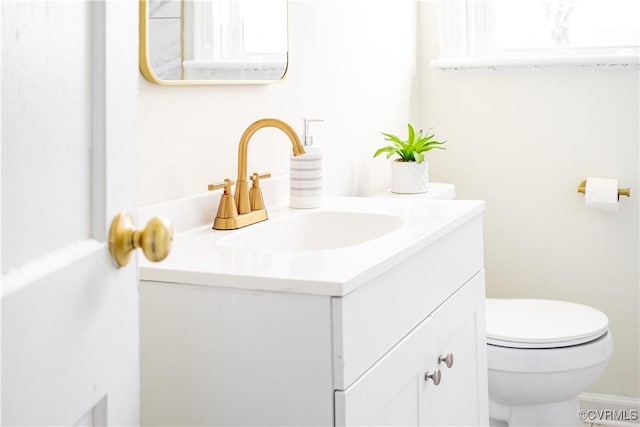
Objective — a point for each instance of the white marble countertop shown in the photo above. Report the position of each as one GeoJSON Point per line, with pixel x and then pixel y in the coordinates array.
{"type": "Point", "coordinates": [197, 258]}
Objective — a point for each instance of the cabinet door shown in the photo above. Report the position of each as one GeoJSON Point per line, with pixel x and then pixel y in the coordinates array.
{"type": "Point", "coordinates": [395, 390]}
{"type": "Point", "coordinates": [461, 396]}
{"type": "Point", "coordinates": [429, 349]}
{"type": "Point", "coordinates": [387, 395]}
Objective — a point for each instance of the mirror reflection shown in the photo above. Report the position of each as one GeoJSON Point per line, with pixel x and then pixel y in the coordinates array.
{"type": "Point", "coordinates": [201, 41]}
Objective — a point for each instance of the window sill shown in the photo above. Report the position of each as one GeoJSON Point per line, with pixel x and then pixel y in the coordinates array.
{"type": "Point", "coordinates": [600, 61]}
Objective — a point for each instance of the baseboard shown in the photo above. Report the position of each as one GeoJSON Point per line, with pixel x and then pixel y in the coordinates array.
{"type": "Point", "coordinates": [610, 410]}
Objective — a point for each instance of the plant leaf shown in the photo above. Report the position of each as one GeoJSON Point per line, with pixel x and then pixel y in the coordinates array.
{"type": "Point", "coordinates": [392, 138]}
{"type": "Point", "coordinates": [402, 146]}
{"type": "Point", "coordinates": [412, 135]}
{"type": "Point", "coordinates": [431, 145]}
{"type": "Point", "coordinates": [382, 150]}
{"type": "Point", "coordinates": [413, 148]}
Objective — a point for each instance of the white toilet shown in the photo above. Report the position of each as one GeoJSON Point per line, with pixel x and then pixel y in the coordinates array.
{"type": "Point", "coordinates": [541, 354]}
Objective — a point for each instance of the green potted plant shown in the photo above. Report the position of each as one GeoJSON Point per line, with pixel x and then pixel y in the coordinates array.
{"type": "Point", "coordinates": [410, 170]}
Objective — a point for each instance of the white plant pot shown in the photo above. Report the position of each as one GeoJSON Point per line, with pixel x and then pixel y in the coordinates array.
{"type": "Point", "coordinates": [409, 177]}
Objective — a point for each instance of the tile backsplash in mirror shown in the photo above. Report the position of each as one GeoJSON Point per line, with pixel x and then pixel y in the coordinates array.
{"type": "Point", "coordinates": [164, 44]}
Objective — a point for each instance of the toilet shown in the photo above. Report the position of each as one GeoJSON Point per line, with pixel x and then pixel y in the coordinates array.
{"type": "Point", "coordinates": [541, 354]}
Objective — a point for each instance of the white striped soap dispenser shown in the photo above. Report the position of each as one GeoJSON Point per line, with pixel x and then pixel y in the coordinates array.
{"type": "Point", "coordinates": [305, 173]}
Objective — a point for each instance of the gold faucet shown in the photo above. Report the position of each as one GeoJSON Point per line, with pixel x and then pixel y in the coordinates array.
{"type": "Point", "coordinates": [247, 206]}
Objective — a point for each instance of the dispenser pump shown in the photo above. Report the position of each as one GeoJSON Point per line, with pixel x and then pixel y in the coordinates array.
{"type": "Point", "coordinates": [305, 172]}
{"type": "Point", "coordinates": [307, 139]}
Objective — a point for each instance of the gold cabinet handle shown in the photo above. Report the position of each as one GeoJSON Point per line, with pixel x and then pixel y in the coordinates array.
{"type": "Point", "coordinates": [154, 239]}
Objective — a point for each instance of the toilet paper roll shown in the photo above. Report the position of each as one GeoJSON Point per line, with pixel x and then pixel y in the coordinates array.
{"type": "Point", "coordinates": [601, 194]}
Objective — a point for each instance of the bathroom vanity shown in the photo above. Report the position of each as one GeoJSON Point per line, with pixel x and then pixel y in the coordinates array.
{"type": "Point", "coordinates": [288, 334]}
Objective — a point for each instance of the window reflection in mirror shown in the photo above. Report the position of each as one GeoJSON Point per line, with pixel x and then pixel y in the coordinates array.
{"type": "Point", "coordinates": [213, 40]}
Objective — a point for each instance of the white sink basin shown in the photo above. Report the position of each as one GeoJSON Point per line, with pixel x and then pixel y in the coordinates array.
{"type": "Point", "coordinates": [313, 231]}
{"type": "Point", "coordinates": [329, 251]}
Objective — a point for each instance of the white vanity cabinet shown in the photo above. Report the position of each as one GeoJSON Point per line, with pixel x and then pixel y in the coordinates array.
{"type": "Point", "coordinates": [217, 353]}
{"type": "Point", "coordinates": [400, 388]}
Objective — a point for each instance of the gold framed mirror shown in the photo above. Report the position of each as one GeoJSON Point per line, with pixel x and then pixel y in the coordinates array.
{"type": "Point", "coordinates": [194, 42]}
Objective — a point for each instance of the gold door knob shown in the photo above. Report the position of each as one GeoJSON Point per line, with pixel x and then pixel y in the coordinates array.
{"type": "Point", "coordinates": [154, 239]}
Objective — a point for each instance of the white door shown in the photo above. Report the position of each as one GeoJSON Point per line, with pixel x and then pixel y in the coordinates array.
{"type": "Point", "coordinates": [69, 316]}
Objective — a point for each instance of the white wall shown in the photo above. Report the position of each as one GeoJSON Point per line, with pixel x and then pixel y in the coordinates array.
{"type": "Point", "coordinates": [352, 63]}
{"type": "Point", "coordinates": [520, 139]}
{"type": "Point", "coordinates": [523, 139]}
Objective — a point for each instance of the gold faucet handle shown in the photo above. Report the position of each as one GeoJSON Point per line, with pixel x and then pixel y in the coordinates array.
{"type": "Point", "coordinates": [226, 184]}
{"type": "Point", "coordinates": [256, 177]}
{"type": "Point", "coordinates": [255, 192]}
{"type": "Point", "coordinates": [227, 206]}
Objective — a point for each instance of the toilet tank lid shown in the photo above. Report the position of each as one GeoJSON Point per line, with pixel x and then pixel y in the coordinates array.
{"type": "Point", "coordinates": [539, 323]}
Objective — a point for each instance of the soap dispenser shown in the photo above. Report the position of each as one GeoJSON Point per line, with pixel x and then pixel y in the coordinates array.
{"type": "Point", "coordinates": [305, 173]}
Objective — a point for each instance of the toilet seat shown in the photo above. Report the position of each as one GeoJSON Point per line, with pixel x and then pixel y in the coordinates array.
{"type": "Point", "coordinates": [537, 323]}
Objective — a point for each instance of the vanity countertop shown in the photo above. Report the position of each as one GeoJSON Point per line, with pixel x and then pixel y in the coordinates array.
{"type": "Point", "coordinates": [197, 257]}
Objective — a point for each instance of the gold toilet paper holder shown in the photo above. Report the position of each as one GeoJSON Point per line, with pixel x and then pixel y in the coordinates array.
{"type": "Point", "coordinates": [621, 191]}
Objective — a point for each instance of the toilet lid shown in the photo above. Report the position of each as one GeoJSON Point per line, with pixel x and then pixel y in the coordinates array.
{"type": "Point", "coordinates": [536, 323]}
